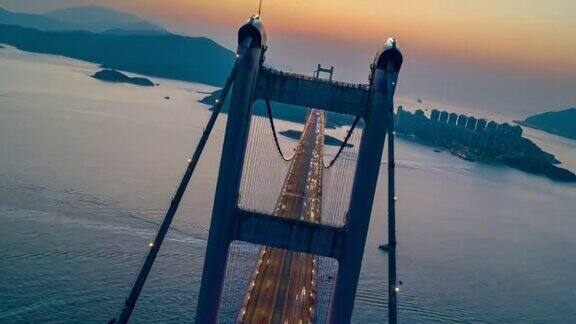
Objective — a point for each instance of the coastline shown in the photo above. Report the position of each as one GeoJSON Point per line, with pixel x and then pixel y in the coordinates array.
{"type": "Point", "coordinates": [489, 142]}
{"type": "Point", "coordinates": [554, 173]}
{"type": "Point", "coordinates": [549, 131]}
{"type": "Point", "coordinates": [91, 201]}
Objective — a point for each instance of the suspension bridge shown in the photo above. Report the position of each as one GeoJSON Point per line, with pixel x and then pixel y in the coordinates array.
{"type": "Point", "coordinates": [287, 233]}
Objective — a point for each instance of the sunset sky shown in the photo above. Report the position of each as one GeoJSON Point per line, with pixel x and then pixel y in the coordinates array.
{"type": "Point", "coordinates": [513, 57]}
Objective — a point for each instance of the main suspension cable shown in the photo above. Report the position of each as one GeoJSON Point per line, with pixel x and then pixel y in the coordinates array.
{"type": "Point", "coordinates": [344, 143]}
{"type": "Point", "coordinates": [271, 119]}
{"type": "Point", "coordinates": [287, 159]}
{"type": "Point", "coordinates": [154, 248]}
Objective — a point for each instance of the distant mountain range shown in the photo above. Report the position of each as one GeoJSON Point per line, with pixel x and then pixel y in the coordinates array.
{"type": "Point", "coordinates": [562, 123]}
{"type": "Point", "coordinates": [88, 18]}
{"type": "Point", "coordinates": [119, 41]}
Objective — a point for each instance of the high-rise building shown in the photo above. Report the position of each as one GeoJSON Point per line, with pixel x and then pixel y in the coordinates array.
{"type": "Point", "coordinates": [443, 117]}
{"type": "Point", "coordinates": [471, 123]}
{"type": "Point", "coordinates": [434, 115]}
{"type": "Point", "coordinates": [480, 125]}
{"type": "Point", "coordinates": [452, 118]}
{"type": "Point", "coordinates": [462, 121]}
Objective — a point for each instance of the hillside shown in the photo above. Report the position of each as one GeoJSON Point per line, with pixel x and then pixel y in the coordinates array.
{"type": "Point", "coordinates": [31, 20]}
{"type": "Point", "coordinates": [99, 19]}
{"type": "Point", "coordinates": [195, 59]}
{"type": "Point", "coordinates": [562, 123]}
{"type": "Point", "coordinates": [87, 18]}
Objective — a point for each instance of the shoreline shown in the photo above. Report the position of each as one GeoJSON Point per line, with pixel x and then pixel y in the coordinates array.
{"type": "Point", "coordinates": [548, 131]}
{"type": "Point", "coordinates": [551, 172]}
{"type": "Point", "coordinates": [530, 169]}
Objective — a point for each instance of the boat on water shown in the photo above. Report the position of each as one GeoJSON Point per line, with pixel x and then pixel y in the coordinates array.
{"type": "Point", "coordinates": [465, 155]}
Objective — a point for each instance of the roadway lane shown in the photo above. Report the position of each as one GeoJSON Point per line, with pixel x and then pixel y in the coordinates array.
{"type": "Point", "coordinates": [283, 284]}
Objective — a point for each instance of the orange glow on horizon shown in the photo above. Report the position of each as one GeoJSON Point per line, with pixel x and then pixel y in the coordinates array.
{"type": "Point", "coordinates": [523, 34]}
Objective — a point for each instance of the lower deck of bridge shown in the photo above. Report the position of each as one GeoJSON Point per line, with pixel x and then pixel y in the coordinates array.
{"type": "Point", "coordinates": [283, 285]}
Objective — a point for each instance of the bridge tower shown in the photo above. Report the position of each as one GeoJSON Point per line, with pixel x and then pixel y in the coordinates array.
{"type": "Point", "coordinates": [373, 102]}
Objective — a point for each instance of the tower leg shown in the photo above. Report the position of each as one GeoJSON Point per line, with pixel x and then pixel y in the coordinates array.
{"type": "Point", "coordinates": [377, 123]}
{"type": "Point", "coordinates": [223, 224]}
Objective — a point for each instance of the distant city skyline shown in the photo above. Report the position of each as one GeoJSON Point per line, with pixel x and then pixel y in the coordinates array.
{"type": "Point", "coordinates": [513, 57]}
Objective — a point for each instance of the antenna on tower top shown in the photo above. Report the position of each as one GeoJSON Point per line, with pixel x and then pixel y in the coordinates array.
{"type": "Point", "coordinates": [259, 7]}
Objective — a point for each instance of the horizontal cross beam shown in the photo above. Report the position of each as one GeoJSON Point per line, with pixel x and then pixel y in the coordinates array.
{"type": "Point", "coordinates": [307, 91]}
{"type": "Point", "coordinates": [289, 234]}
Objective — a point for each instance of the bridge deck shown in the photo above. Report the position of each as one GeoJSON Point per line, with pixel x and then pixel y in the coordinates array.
{"type": "Point", "coordinates": [282, 289]}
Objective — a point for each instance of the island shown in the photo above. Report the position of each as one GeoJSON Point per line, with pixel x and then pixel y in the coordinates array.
{"type": "Point", "coordinates": [476, 139]}
{"type": "Point", "coordinates": [561, 123]}
{"type": "Point", "coordinates": [115, 76]}
{"type": "Point", "coordinates": [328, 140]}
{"type": "Point", "coordinates": [470, 138]}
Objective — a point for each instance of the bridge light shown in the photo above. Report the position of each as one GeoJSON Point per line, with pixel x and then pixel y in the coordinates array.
{"type": "Point", "coordinates": [151, 244]}
{"type": "Point", "coordinates": [397, 289]}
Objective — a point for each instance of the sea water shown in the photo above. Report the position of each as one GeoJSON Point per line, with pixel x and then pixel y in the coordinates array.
{"type": "Point", "coordinates": [88, 168]}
